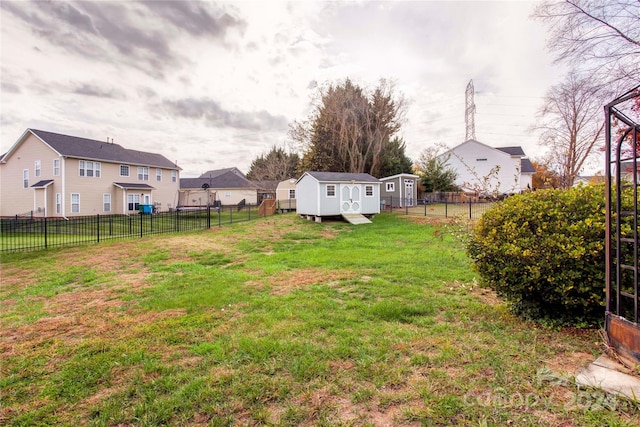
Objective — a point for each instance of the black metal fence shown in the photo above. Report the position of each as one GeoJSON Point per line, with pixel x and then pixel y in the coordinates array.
{"type": "Point", "coordinates": [32, 233]}
{"type": "Point", "coordinates": [447, 207]}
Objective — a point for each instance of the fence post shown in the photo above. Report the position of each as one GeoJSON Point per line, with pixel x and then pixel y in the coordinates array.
{"type": "Point", "coordinates": [208, 216]}
{"type": "Point", "coordinates": [176, 221]}
{"type": "Point", "coordinates": [231, 214]}
{"type": "Point", "coordinates": [391, 205]}
{"type": "Point", "coordinates": [446, 208]}
{"type": "Point", "coordinates": [130, 225]}
{"type": "Point", "coordinates": [140, 223]}
{"type": "Point", "coordinates": [98, 226]}
{"type": "Point", "coordinates": [45, 232]}
{"type": "Point", "coordinates": [425, 206]}
{"type": "Point", "coordinates": [469, 207]}
{"type": "Point", "coordinates": [249, 208]}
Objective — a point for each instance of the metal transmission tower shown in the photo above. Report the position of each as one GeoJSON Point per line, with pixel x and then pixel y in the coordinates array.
{"type": "Point", "coordinates": [469, 112]}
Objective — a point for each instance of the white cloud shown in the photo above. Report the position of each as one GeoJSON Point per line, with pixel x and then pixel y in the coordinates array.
{"type": "Point", "coordinates": [213, 86]}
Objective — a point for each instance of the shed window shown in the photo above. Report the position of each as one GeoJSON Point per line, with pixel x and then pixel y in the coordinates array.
{"type": "Point", "coordinates": [368, 190]}
{"type": "Point", "coordinates": [292, 193]}
{"type": "Point", "coordinates": [391, 187]}
{"type": "Point", "coordinates": [331, 190]}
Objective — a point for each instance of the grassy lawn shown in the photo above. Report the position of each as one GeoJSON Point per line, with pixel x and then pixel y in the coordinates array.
{"type": "Point", "coordinates": [282, 321]}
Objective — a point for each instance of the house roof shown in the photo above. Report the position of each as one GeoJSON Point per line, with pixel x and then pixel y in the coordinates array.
{"type": "Point", "coordinates": [84, 148]}
{"type": "Point", "coordinates": [226, 180]}
{"type": "Point", "coordinates": [514, 151]}
{"type": "Point", "coordinates": [341, 177]}
{"type": "Point", "coordinates": [42, 184]}
{"type": "Point", "coordinates": [527, 166]}
{"type": "Point", "coordinates": [133, 186]}
{"type": "Point", "coordinates": [217, 172]}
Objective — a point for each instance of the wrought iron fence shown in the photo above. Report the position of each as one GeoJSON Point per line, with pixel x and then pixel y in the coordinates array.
{"type": "Point", "coordinates": [447, 207]}
{"type": "Point", "coordinates": [34, 233]}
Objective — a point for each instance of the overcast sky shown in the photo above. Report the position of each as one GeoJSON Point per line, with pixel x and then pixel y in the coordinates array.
{"type": "Point", "coordinates": [214, 84]}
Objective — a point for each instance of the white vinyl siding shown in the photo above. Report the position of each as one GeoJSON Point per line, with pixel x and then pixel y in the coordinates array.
{"type": "Point", "coordinates": [75, 203]}
{"type": "Point", "coordinates": [37, 169]}
{"type": "Point", "coordinates": [25, 178]}
{"type": "Point", "coordinates": [56, 167]}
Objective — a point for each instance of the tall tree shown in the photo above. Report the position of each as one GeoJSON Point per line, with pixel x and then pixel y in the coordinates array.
{"type": "Point", "coordinates": [434, 173]}
{"type": "Point", "coordinates": [350, 130]}
{"type": "Point", "coordinates": [394, 159]}
{"type": "Point", "coordinates": [571, 123]}
{"type": "Point", "coordinates": [596, 36]}
{"type": "Point", "coordinates": [275, 165]}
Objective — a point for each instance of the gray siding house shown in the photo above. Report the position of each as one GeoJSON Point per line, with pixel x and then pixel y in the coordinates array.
{"type": "Point", "coordinates": [325, 194]}
{"type": "Point", "coordinates": [399, 190]}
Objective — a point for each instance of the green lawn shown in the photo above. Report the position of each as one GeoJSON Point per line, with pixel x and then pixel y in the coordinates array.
{"type": "Point", "coordinates": [281, 321]}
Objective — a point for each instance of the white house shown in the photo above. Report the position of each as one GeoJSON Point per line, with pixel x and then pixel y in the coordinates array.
{"type": "Point", "coordinates": [325, 194]}
{"type": "Point", "coordinates": [485, 169]}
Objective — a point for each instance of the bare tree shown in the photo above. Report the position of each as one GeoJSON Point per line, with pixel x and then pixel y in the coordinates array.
{"type": "Point", "coordinates": [601, 38]}
{"type": "Point", "coordinates": [350, 130]}
{"type": "Point", "coordinates": [571, 124]}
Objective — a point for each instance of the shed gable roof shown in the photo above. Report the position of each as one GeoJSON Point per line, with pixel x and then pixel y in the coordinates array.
{"type": "Point", "coordinates": [342, 177]}
{"type": "Point", "coordinates": [84, 148]}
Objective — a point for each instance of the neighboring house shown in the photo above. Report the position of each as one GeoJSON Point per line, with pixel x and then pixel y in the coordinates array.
{"type": "Point", "coordinates": [229, 187]}
{"type": "Point", "coordinates": [487, 170]}
{"type": "Point", "coordinates": [286, 195]}
{"type": "Point", "coordinates": [399, 190]}
{"type": "Point", "coordinates": [626, 171]}
{"type": "Point", "coordinates": [55, 175]}
{"type": "Point", "coordinates": [320, 194]}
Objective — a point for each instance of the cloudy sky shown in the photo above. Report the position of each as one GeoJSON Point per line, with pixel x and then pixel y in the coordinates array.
{"type": "Point", "coordinates": [214, 84]}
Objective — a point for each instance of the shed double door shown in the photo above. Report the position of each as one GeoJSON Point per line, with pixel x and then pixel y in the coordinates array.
{"type": "Point", "coordinates": [350, 198]}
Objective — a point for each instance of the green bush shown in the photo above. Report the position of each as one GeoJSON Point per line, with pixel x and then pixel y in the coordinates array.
{"type": "Point", "coordinates": [545, 253]}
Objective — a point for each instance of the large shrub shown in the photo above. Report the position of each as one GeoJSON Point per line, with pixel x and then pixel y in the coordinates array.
{"type": "Point", "coordinates": [545, 253]}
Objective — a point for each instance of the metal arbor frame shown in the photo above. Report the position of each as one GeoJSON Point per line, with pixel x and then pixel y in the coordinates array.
{"type": "Point", "coordinates": [622, 228]}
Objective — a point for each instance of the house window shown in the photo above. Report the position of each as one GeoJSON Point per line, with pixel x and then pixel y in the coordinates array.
{"type": "Point", "coordinates": [124, 170]}
{"type": "Point", "coordinates": [75, 203]}
{"type": "Point", "coordinates": [89, 168]}
{"type": "Point", "coordinates": [368, 190]}
{"type": "Point", "coordinates": [106, 202]}
{"type": "Point", "coordinates": [25, 178]}
{"type": "Point", "coordinates": [292, 193]}
{"type": "Point", "coordinates": [143, 173]}
{"type": "Point", "coordinates": [56, 167]}
{"type": "Point", "coordinates": [227, 194]}
{"type": "Point", "coordinates": [174, 176]}
{"type": "Point", "coordinates": [133, 201]}
{"type": "Point", "coordinates": [391, 187]}
{"type": "Point", "coordinates": [58, 203]}
{"type": "Point", "coordinates": [38, 168]}
{"type": "Point", "coordinates": [331, 190]}
{"type": "Point", "coordinates": [158, 174]}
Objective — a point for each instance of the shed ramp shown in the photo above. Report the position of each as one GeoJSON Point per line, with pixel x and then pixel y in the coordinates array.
{"type": "Point", "coordinates": [355, 218]}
